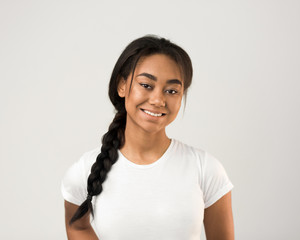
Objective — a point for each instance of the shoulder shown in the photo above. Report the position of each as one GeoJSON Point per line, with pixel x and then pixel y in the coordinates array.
{"type": "Point", "coordinates": [187, 149]}
{"type": "Point", "coordinates": [212, 174]}
{"type": "Point", "coordinates": [88, 158]}
{"type": "Point", "coordinates": [74, 182]}
{"type": "Point", "coordinates": [84, 163]}
{"type": "Point", "coordinates": [203, 157]}
{"type": "Point", "coordinates": [189, 152]}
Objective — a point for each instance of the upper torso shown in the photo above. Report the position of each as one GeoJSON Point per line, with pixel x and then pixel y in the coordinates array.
{"type": "Point", "coordinates": [162, 200]}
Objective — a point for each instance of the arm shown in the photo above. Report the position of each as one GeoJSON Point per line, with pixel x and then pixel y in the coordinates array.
{"type": "Point", "coordinates": [218, 220]}
{"type": "Point", "coordinates": [81, 229]}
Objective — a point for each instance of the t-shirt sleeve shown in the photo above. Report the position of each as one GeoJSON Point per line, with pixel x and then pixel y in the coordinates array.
{"type": "Point", "coordinates": [74, 183]}
{"type": "Point", "coordinates": [215, 182]}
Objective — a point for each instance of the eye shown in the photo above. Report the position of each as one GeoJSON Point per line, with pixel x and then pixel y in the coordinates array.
{"type": "Point", "coordinates": [145, 85]}
{"type": "Point", "coordinates": [172, 91]}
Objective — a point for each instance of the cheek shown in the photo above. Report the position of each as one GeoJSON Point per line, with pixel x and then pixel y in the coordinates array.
{"type": "Point", "coordinates": [175, 105]}
{"type": "Point", "coordinates": [136, 94]}
{"type": "Point", "coordinates": [134, 98]}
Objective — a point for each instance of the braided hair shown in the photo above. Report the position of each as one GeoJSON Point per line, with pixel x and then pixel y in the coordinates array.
{"type": "Point", "coordinates": [114, 139]}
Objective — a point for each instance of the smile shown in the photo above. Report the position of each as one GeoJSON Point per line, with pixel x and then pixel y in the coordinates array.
{"type": "Point", "coordinates": [153, 114]}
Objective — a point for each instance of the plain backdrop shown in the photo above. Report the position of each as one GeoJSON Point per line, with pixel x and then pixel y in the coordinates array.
{"type": "Point", "coordinates": [56, 58]}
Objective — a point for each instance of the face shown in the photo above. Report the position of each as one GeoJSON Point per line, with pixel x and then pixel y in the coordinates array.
{"type": "Point", "coordinates": [155, 96]}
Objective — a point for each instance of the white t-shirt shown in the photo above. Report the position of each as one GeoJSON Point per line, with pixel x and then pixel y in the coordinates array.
{"type": "Point", "coordinates": [162, 200]}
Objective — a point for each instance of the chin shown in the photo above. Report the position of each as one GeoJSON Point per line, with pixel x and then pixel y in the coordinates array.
{"type": "Point", "coordinates": [153, 129]}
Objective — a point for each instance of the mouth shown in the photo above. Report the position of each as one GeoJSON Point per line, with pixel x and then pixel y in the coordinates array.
{"type": "Point", "coordinates": [153, 114]}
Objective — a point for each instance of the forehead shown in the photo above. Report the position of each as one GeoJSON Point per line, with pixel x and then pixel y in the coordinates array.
{"type": "Point", "coordinates": [159, 65]}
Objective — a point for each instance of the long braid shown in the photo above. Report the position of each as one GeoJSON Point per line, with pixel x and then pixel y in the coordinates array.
{"type": "Point", "coordinates": [111, 142]}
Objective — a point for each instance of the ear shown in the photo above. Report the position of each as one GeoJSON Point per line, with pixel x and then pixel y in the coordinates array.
{"type": "Point", "coordinates": [122, 87]}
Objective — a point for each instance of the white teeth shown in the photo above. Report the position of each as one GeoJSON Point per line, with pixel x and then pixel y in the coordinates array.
{"type": "Point", "coordinates": [153, 114]}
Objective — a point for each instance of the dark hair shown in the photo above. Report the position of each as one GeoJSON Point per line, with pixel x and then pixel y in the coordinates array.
{"type": "Point", "coordinates": [114, 138]}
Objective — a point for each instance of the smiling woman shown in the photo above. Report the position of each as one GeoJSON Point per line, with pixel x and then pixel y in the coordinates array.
{"type": "Point", "coordinates": [141, 184]}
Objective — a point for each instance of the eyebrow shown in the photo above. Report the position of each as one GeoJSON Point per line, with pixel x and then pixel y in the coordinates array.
{"type": "Point", "coordinates": [154, 78]}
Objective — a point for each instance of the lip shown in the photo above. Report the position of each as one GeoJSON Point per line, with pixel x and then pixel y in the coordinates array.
{"type": "Point", "coordinates": [153, 111]}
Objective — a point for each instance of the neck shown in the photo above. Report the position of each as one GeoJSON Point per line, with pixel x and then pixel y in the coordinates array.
{"type": "Point", "coordinates": [144, 148]}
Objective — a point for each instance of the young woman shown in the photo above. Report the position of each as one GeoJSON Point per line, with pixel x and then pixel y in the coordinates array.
{"type": "Point", "coordinates": [141, 184]}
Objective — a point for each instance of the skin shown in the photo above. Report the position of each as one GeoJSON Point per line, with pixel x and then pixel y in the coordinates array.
{"type": "Point", "coordinates": [81, 229]}
{"type": "Point", "coordinates": [145, 136]}
{"type": "Point", "coordinates": [218, 220]}
{"type": "Point", "coordinates": [157, 86]}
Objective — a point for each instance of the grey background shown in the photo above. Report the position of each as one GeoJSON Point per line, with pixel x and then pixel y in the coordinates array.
{"type": "Point", "coordinates": [56, 58]}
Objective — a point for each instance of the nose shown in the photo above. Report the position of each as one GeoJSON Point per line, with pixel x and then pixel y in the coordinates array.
{"type": "Point", "coordinates": [157, 98]}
